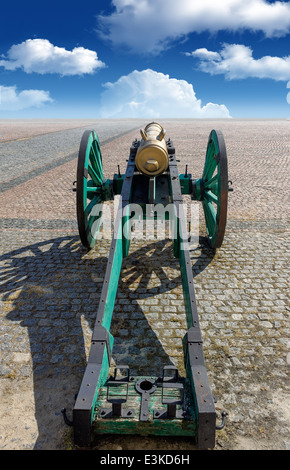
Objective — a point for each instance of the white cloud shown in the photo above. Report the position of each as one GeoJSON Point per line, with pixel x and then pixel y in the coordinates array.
{"type": "Point", "coordinates": [203, 53]}
{"type": "Point", "coordinates": [40, 56]}
{"type": "Point", "coordinates": [237, 61]}
{"type": "Point", "coordinates": [151, 25]}
{"type": "Point", "coordinates": [150, 94]}
{"type": "Point", "coordinates": [12, 100]}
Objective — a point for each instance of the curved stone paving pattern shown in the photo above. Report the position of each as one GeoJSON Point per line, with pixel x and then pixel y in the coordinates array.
{"type": "Point", "coordinates": [50, 289]}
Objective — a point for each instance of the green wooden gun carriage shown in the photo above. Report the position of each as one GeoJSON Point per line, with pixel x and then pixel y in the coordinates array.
{"type": "Point", "coordinates": [169, 404]}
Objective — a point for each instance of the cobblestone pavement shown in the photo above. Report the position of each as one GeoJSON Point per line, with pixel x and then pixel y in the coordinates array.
{"type": "Point", "coordinates": [50, 287]}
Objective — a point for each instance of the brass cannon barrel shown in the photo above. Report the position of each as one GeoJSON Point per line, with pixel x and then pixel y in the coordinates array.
{"type": "Point", "coordinates": [152, 155]}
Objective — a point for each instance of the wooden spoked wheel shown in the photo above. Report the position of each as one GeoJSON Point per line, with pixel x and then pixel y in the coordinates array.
{"type": "Point", "coordinates": [215, 189]}
{"type": "Point", "coordinates": [89, 188]}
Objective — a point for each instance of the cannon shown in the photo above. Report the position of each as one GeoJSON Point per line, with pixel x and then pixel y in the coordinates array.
{"type": "Point", "coordinates": [169, 404]}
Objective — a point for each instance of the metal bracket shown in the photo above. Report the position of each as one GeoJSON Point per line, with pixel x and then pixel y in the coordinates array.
{"type": "Point", "coordinates": [101, 335]}
{"type": "Point", "coordinates": [170, 147]}
{"type": "Point", "coordinates": [119, 398]}
{"type": "Point", "coordinates": [223, 423]}
{"type": "Point", "coordinates": [171, 382]}
{"type": "Point", "coordinates": [145, 387]}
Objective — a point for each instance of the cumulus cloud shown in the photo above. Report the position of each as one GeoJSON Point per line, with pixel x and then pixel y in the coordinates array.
{"type": "Point", "coordinates": [151, 25]}
{"type": "Point", "coordinates": [237, 61]}
{"type": "Point", "coordinates": [13, 100]}
{"type": "Point", "coordinates": [40, 56]}
{"type": "Point", "coordinates": [150, 94]}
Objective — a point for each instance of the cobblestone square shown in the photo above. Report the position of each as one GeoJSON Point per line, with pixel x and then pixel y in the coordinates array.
{"type": "Point", "coordinates": [50, 286]}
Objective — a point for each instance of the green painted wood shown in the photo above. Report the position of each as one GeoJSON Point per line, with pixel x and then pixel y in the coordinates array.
{"type": "Point", "coordinates": [126, 231]}
{"type": "Point", "coordinates": [212, 184]}
{"type": "Point", "coordinates": [96, 155]}
{"type": "Point", "coordinates": [215, 188]}
{"type": "Point", "coordinates": [162, 427]}
{"type": "Point", "coordinates": [156, 427]}
{"type": "Point", "coordinates": [112, 276]}
{"type": "Point", "coordinates": [210, 214]}
{"type": "Point", "coordinates": [97, 369]}
{"type": "Point", "coordinates": [89, 187]}
{"type": "Point", "coordinates": [185, 183]}
{"type": "Point", "coordinates": [203, 403]}
{"type": "Point", "coordinates": [95, 177]}
{"type": "Point", "coordinates": [198, 403]}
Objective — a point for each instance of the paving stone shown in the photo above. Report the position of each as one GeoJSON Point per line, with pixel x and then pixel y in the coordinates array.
{"type": "Point", "coordinates": [50, 286]}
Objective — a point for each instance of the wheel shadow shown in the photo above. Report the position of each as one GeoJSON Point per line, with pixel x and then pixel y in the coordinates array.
{"type": "Point", "coordinates": [52, 289]}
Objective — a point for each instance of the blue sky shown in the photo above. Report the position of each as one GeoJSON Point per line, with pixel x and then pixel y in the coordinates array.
{"type": "Point", "coordinates": [145, 58]}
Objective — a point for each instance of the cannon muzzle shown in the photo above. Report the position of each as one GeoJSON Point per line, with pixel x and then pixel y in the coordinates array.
{"type": "Point", "coordinates": [152, 154]}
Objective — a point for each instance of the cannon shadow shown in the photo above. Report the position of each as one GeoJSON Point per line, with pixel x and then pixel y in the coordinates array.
{"type": "Point", "coordinates": [52, 288]}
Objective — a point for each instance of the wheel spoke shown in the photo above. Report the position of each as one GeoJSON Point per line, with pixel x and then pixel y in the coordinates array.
{"type": "Point", "coordinates": [211, 196]}
{"type": "Point", "coordinates": [93, 189]}
{"type": "Point", "coordinates": [214, 184]}
{"type": "Point", "coordinates": [210, 164]}
{"type": "Point", "coordinates": [94, 221]}
{"type": "Point", "coordinates": [96, 163]}
{"type": "Point", "coordinates": [210, 168]}
{"type": "Point", "coordinates": [89, 188]}
{"type": "Point", "coordinates": [92, 203]}
{"type": "Point", "coordinates": [95, 177]}
{"type": "Point", "coordinates": [210, 217]}
{"type": "Point", "coordinates": [92, 227]}
{"type": "Point", "coordinates": [211, 182]}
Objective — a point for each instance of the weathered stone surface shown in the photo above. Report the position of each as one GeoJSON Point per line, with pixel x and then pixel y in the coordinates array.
{"type": "Point", "coordinates": [50, 288]}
